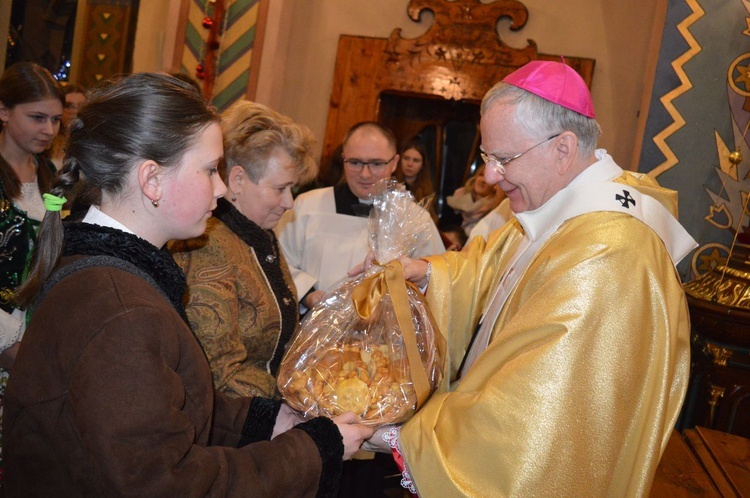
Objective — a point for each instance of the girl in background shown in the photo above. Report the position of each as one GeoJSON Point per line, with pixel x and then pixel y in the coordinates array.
{"type": "Point", "coordinates": [475, 199]}
{"type": "Point", "coordinates": [31, 107]}
{"type": "Point", "coordinates": [414, 171]}
{"type": "Point", "coordinates": [75, 97]}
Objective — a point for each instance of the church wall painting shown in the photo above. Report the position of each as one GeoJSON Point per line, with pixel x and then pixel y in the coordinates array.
{"type": "Point", "coordinates": [222, 46]}
{"type": "Point", "coordinates": [697, 124]}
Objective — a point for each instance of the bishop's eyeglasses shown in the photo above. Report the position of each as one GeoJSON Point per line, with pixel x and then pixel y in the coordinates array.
{"type": "Point", "coordinates": [499, 162]}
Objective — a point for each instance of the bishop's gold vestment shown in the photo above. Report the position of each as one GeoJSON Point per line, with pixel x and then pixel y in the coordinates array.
{"type": "Point", "coordinates": [585, 372]}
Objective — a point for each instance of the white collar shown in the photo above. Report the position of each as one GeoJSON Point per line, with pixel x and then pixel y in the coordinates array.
{"type": "Point", "coordinates": [537, 222]}
{"type": "Point", "coordinates": [593, 190]}
{"type": "Point", "coordinates": [603, 170]}
{"type": "Point", "coordinates": [95, 216]}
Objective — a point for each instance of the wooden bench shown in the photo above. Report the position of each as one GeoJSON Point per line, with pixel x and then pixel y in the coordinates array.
{"type": "Point", "coordinates": [703, 462]}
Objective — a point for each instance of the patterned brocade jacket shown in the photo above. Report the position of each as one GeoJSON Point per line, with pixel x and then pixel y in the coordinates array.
{"type": "Point", "coordinates": [240, 301]}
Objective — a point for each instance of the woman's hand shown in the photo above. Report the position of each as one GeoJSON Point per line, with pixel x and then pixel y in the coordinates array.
{"type": "Point", "coordinates": [312, 298]}
{"type": "Point", "coordinates": [8, 357]}
{"type": "Point", "coordinates": [353, 433]}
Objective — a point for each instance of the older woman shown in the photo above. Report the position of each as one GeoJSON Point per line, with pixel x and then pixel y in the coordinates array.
{"type": "Point", "coordinates": [241, 300]}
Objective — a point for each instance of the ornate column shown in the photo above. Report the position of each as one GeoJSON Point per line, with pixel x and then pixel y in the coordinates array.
{"type": "Point", "coordinates": [104, 37]}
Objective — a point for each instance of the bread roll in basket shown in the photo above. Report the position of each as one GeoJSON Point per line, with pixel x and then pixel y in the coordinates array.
{"type": "Point", "coordinates": [342, 362]}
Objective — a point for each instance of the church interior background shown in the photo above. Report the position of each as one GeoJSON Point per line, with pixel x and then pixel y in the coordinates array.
{"type": "Point", "coordinates": [670, 81]}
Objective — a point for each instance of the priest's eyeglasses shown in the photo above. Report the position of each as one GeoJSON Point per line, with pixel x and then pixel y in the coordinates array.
{"type": "Point", "coordinates": [376, 166]}
{"type": "Point", "coordinates": [499, 162]}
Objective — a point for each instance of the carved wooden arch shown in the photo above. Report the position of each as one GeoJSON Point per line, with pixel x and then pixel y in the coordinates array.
{"type": "Point", "coordinates": [459, 58]}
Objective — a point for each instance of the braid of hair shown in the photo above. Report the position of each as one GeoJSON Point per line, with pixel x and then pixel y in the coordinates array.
{"type": "Point", "coordinates": [50, 238]}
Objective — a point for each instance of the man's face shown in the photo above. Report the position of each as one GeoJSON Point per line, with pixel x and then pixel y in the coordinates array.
{"type": "Point", "coordinates": [368, 145]}
{"type": "Point", "coordinates": [529, 181]}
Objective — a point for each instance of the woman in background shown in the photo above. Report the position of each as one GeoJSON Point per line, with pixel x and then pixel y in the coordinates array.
{"type": "Point", "coordinates": [475, 199]}
{"type": "Point", "coordinates": [75, 97]}
{"type": "Point", "coordinates": [111, 394]}
{"type": "Point", "coordinates": [241, 299]}
{"type": "Point", "coordinates": [414, 171]}
{"type": "Point", "coordinates": [31, 107]}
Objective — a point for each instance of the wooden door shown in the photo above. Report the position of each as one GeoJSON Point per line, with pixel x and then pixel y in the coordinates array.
{"type": "Point", "coordinates": [431, 85]}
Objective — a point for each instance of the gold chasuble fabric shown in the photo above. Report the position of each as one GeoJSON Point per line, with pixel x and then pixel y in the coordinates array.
{"type": "Point", "coordinates": [585, 372]}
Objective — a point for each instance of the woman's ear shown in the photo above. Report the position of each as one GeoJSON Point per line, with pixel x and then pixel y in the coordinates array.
{"type": "Point", "coordinates": [4, 113]}
{"type": "Point", "coordinates": [236, 178]}
{"type": "Point", "coordinates": [149, 180]}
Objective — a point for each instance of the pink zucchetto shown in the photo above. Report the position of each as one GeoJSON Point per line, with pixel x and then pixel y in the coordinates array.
{"type": "Point", "coordinates": [556, 82]}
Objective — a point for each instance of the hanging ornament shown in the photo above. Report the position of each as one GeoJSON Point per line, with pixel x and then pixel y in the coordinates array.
{"type": "Point", "coordinates": [215, 21]}
{"type": "Point", "coordinates": [207, 23]}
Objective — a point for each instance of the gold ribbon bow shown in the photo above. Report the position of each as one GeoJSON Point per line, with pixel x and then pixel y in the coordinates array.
{"type": "Point", "coordinates": [366, 296]}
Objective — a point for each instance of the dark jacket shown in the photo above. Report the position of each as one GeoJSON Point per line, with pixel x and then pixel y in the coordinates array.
{"type": "Point", "coordinates": [112, 395]}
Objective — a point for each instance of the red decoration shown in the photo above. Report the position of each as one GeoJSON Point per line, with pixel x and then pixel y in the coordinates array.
{"type": "Point", "coordinates": [200, 71]}
{"type": "Point", "coordinates": [207, 22]}
{"type": "Point", "coordinates": [218, 11]}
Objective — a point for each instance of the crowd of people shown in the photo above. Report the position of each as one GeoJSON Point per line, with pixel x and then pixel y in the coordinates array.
{"type": "Point", "coordinates": [141, 340]}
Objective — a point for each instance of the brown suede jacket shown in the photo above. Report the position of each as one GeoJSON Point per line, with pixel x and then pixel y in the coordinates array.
{"type": "Point", "coordinates": [111, 395]}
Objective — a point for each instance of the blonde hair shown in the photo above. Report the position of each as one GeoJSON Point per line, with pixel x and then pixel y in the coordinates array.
{"type": "Point", "coordinates": [252, 132]}
{"type": "Point", "coordinates": [469, 185]}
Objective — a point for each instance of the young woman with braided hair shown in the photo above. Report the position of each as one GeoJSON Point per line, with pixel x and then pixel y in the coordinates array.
{"type": "Point", "coordinates": [111, 393]}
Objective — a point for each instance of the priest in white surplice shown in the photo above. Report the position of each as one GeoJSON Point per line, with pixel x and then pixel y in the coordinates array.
{"type": "Point", "coordinates": [325, 234]}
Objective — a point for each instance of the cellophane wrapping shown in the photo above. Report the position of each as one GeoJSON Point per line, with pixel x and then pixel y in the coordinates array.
{"type": "Point", "coordinates": [342, 362]}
